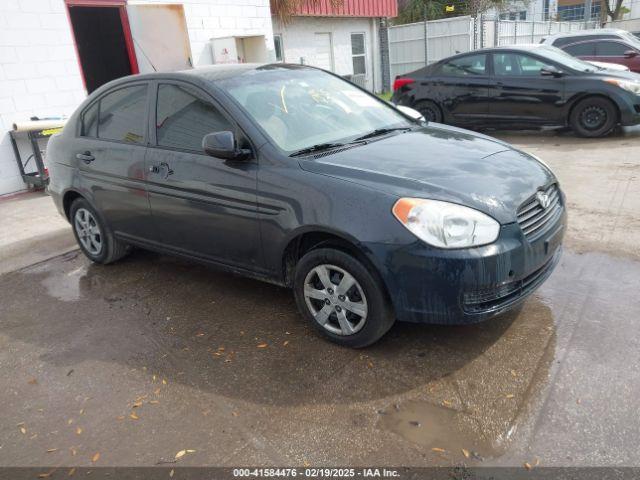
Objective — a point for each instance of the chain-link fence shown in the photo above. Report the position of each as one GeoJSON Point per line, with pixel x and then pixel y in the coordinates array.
{"type": "Point", "coordinates": [493, 32]}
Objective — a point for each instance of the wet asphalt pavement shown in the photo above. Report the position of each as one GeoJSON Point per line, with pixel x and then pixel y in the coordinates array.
{"type": "Point", "coordinates": [153, 355]}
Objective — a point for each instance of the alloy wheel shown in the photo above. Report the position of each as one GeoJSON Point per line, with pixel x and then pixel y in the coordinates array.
{"type": "Point", "coordinates": [335, 299]}
{"type": "Point", "coordinates": [88, 231]}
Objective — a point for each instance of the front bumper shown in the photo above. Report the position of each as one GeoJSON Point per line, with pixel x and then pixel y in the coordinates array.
{"type": "Point", "coordinates": [430, 285]}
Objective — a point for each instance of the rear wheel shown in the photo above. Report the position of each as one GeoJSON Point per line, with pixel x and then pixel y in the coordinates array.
{"type": "Point", "coordinates": [93, 236]}
{"type": "Point", "coordinates": [429, 110]}
{"type": "Point", "coordinates": [593, 117]}
{"type": "Point", "coordinates": [341, 298]}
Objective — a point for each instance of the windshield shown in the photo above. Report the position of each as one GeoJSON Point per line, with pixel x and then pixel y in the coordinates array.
{"type": "Point", "coordinates": [299, 108]}
{"type": "Point", "coordinates": [562, 57]}
{"type": "Point", "coordinates": [631, 38]}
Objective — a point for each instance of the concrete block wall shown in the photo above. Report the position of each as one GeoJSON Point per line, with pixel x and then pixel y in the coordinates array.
{"type": "Point", "coordinates": [298, 39]}
{"type": "Point", "coordinates": [39, 71]}
{"type": "Point", "coordinates": [207, 19]}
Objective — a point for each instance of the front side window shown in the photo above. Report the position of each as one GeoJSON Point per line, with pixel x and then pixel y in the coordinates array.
{"type": "Point", "coordinates": [514, 64]}
{"type": "Point", "coordinates": [184, 116]}
{"type": "Point", "coordinates": [300, 107]}
{"type": "Point", "coordinates": [470, 65]}
{"type": "Point", "coordinates": [611, 49]}
{"type": "Point", "coordinates": [123, 115]}
{"type": "Point", "coordinates": [358, 54]}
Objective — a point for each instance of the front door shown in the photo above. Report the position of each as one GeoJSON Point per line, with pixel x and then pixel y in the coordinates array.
{"type": "Point", "coordinates": [323, 57]}
{"type": "Point", "coordinates": [519, 92]}
{"type": "Point", "coordinates": [110, 152]}
{"type": "Point", "coordinates": [614, 51]}
{"type": "Point", "coordinates": [201, 205]}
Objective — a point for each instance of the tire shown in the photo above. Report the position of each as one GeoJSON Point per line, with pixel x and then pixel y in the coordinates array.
{"type": "Point", "coordinates": [429, 110]}
{"type": "Point", "coordinates": [593, 117]}
{"type": "Point", "coordinates": [94, 237]}
{"type": "Point", "coordinates": [364, 306]}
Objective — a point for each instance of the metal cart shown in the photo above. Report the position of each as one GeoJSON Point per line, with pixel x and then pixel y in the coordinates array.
{"type": "Point", "coordinates": [35, 130]}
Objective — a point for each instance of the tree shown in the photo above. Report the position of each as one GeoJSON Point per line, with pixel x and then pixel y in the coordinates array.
{"type": "Point", "coordinates": [616, 12]}
{"type": "Point", "coordinates": [415, 10]}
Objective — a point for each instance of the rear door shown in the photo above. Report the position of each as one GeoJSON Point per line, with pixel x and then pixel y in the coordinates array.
{"type": "Point", "coordinates": [201, 205]}
{"type": "Point", "coordinates": [110, 151]}
{"type": "Point", "coordinates": [520, 93]}
{"type": "Point", "coordinates": [461, 86]}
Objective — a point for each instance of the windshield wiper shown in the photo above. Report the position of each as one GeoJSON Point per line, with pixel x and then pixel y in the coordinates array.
{"type": "Point", "coordinates": [316, 148]}
{"type": "Point", "coordinates": [380, 131]}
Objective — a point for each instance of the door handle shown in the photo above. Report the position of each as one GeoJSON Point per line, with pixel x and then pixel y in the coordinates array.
{"type": "Point", "coordinates": [162, 166]}
{"type": "Point", "coordinates": [86, 157]}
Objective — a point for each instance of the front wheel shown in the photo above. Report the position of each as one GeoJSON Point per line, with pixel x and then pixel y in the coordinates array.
{"type": "Point", "coordinates": [341, 298]}
{"type": "Point", "coordinates": [593, 117]}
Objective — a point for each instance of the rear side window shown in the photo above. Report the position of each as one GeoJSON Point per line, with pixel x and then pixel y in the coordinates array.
{"type": "Point", "coordinates": [90, 121]}
{"type": "Point", "coordinates": [587, 49]}
{"type": "Point", "coordinates": [469, 65]}
{"type": "Point", "coordinates": [123, 115]}
{"type": "Point", "coordinates": [611, 49]}
{"type": "Point", "coordinates": [184, 116]}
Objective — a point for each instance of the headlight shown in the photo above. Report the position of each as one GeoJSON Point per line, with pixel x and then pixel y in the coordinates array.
{"type": "Point", "coordinates": [629, 85]}
{"type": "Point", "coordinates": [444, 224]}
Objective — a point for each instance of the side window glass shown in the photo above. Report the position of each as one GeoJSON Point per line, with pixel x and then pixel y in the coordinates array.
{"type": "Point", "coordinates": [581, 49]}
{"type": "Point", "coordinates": [90, 121]}
{"type": "Point", "coordinates": [611, 49]}
{"type": "Point", "coordinates": [184, 117]}
{"type": "Point", "coordinates": [469, 65]}
{"type": "Point", "coordinates": [512, 64]}
{"type": "Point", "coordinates": [123, 114]}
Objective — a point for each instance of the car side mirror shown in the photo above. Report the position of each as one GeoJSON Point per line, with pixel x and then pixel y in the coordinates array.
{"type": "Point", "coordinates": [223, 145]}
{"type": "Point", "coordinates": [550, 71]}
{"type": "Point", "coordinates": [630, 54]}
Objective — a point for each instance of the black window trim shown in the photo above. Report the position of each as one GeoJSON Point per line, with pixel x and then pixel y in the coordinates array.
{"type": "Point", "coordinates": [152, 118]}
{"type": "Point", "coordinates": [79, 129]}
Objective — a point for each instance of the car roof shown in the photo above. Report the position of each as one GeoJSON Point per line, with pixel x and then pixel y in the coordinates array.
{"type": "Point", "coordinates": [593, 31]}
{"type": "Point", "coordinates": [208, 73]}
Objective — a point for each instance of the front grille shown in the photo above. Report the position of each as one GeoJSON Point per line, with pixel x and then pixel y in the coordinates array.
{"type": "Point", "coordinates": [533, 218]}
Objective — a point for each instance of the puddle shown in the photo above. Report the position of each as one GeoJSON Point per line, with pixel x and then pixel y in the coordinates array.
{"type": "Point", "coordinates": [59, 283]}
{"type": "Point", "coordinates": [474, 412]}
{"type": "Point", "coordinates": [436, 427]}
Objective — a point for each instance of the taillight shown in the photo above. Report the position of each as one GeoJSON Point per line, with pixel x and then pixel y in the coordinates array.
{"type": "Point", "coordinates": [401, 82]}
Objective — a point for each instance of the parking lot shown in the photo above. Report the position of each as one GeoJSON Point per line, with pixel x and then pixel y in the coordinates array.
{"type": "Point", "coordinates": [153, 355]}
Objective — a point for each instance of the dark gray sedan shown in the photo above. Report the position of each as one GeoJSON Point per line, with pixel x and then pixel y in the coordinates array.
{"type": "Point", "coordinates": [292, 175]}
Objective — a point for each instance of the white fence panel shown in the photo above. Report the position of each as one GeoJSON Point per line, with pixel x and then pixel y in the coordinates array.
{"type": "Point", "coordinates": [632, 26]}
{"type": "Point", "coordinates": [408, 50]}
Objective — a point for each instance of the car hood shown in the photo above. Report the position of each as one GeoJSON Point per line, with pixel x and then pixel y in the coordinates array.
{"type": "Point", "coordinates": [441, 163]}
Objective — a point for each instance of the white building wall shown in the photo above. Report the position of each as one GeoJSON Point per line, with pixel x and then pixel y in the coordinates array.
{"type": "Point", "coordinates": [39, 71]}
{"type": "Point", "coordinates": [298, 38]}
